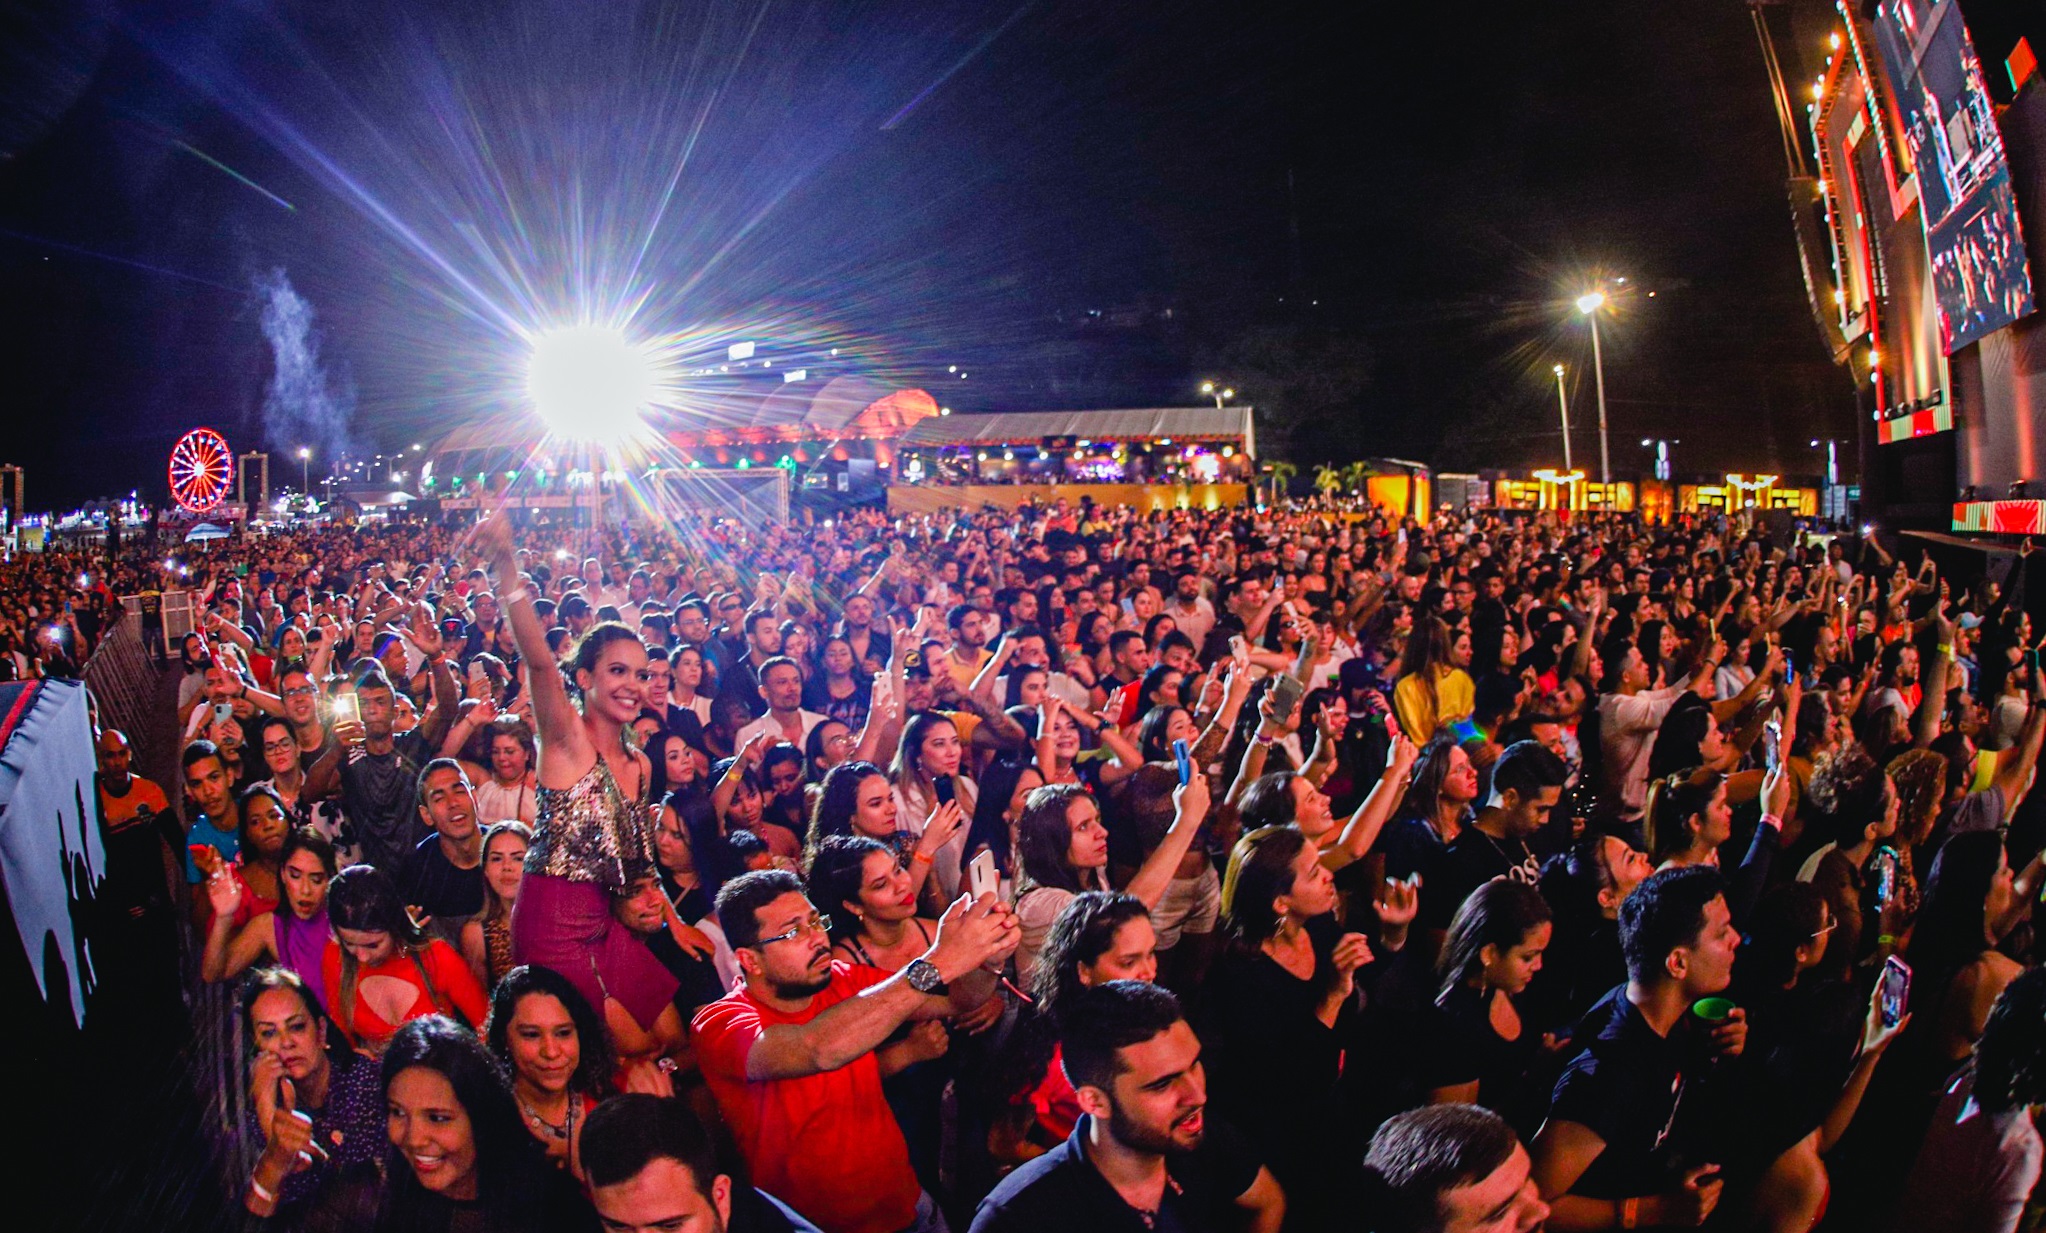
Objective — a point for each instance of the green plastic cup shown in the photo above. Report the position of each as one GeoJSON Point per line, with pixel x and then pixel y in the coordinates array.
{"type": "Point", "coordinates": [1713, 1010]}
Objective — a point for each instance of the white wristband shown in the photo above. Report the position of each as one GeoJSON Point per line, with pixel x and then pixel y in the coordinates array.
{"type": "Point", "coordinates": [261, 1191]}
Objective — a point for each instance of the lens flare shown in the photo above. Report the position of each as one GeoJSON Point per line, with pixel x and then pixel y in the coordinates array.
{"type": "Point", "coordinates": [592, 384]}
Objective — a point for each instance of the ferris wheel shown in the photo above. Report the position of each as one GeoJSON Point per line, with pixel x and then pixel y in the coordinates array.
{"type": "Point", "coordinates": [201, 470]}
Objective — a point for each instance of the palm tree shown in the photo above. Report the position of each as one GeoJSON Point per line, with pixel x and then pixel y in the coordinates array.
{"type": "Point", "coordinates": [1328, 479]}
{"type": "Point", "coordinates": [1354, 477]}
{"type": "Point", "coordinates": [1282, 479]}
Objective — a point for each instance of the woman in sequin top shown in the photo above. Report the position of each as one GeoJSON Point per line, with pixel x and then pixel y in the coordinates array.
{"type": "Point", "coordinates": [594, 833]}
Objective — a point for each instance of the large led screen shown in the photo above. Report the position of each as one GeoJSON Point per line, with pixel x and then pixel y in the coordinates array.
{"type": "Point", "coordinates": [1979, 273]}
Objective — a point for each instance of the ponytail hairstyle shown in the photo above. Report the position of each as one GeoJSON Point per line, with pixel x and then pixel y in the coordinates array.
{"type": "Point", "coordinates": [1260, 870]}
{"type": "Point", "coordinates": [1499, 914]}
{"type": "Point", "coordinates": [1672, 803]}
{"type": "Point", "coordinates": [589, 650]}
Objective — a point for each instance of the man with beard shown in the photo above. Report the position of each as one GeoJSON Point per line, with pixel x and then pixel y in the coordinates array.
{"type": "Point", "coordinates": [652, 1169]}
{"type": "Point", "coordinates": [789, 1054]}
{"type": "Point", "coordinates": [1143, 1156]}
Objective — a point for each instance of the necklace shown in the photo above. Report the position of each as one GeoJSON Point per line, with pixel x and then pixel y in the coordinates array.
{"type": "Point", "coordinates": [561, 1132]}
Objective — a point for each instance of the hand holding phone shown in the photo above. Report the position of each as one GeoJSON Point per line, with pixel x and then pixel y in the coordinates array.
{"type": "Point", "coordinates": [1894, 990]}
{"type": "Point", "coordinates": [981, 876]}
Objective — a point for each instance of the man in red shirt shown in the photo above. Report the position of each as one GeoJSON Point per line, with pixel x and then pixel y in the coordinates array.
{"type": "Point", "coordinates": [790, 1053]}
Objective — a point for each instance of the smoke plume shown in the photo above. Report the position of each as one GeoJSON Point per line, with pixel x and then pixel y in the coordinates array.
{"type": "Point", "coordinates": [306, 403]}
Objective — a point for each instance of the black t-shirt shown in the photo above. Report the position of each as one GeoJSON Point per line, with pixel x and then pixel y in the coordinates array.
{"type": "Point", "coordinates": [432, 882]}
{"type": "Point", "coordinates": [1630, 1087]}
{"type": "Point", "coordinates": [1472, 859]}
{"type": "Point", "coordinates": [1463, 1047]}
{"type": "Point", "coordinates": [379, 792]}
{"type": "Point", "coordinates": [1063, 1190]}
{"type": "Point", "coordinates": [698, 978]}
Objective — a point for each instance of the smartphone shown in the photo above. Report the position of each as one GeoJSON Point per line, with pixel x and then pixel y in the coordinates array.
{"type": "Point", "coordinates": [1895, 990]}
{"type": "Point", "coordinates": [942, 786]}
{"type": "Point", "coordinates": [1886, 875]}
{"type": "Point", "coordinates": [347, 710]}
{"type": "Point", "coordinates": [222, 712]}
{"type": "Point", "coordinates": [981, 878]}
{"type": "Point", "coordinates": [1772, 742]}
{"type": "Point", "coordinates": [1184, 757]}
{"type": "Point", "coordinates": [1286, 693]}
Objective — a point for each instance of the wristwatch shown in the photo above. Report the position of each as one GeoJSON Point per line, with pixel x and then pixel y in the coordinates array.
{"type": "Point", "coordinates": [923, 977]}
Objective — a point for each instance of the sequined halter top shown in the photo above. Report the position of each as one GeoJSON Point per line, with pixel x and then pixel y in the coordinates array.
{"type": "Point", "coordinates": [590, 832]}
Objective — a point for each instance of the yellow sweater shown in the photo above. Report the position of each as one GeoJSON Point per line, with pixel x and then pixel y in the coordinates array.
{"type": "Point", "coordinates": [1455, 699]}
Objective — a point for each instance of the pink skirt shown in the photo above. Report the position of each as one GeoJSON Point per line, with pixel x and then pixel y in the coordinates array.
{"type": "Point", "coordinates": [568, 926]}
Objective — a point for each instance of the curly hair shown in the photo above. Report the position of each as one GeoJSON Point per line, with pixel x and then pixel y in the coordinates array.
{"type": "Point", "coordinates": [594, 1062]}
{"type": "Point", "coordinates": [1920, 776]}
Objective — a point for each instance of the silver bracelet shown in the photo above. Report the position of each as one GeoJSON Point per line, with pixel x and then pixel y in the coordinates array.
{"type": "Point", "coordinates": [260, 1190]}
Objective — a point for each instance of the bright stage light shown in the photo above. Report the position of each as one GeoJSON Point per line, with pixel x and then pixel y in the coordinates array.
{"type": "Point", "coordinates": [590, 383]}
{"type": "Point", "coordinates": [1591, 302]}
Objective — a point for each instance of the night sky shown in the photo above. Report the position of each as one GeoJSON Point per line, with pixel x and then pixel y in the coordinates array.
{"type": "Point", "coordinates": [1371, 227]}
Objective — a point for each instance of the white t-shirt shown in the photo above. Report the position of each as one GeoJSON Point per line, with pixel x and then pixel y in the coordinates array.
{"type": "Point", "coordinates": [769, 724]}
{"type": "Point", "coordinates": [1627, 725]}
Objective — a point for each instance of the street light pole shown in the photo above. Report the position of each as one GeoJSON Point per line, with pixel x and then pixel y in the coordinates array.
{"type": "Point", "coordinates": [1563, 400]}
{"type": "Point", "coordinates": [1598, 369]}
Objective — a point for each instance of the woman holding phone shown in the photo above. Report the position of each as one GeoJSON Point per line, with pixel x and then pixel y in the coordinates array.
{"type": "Point", "coordinates": [928, 774]}
{"type": "Point", "coordinates": [315, 1109]}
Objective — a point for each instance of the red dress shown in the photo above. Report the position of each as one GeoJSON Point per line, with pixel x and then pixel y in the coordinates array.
{"type": "Point", "coordinates": [459, 993]}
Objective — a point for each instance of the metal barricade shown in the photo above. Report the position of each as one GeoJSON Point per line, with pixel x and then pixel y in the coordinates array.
{"type": "Point", "coordinates": [135, 695]}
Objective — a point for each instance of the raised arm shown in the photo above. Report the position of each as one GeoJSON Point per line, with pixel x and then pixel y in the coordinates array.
{"type": "Point", "coordinates": [972, 934]}
{"type": "Point", "coordinates": [1932, 681]}
{"type": "Point", "coordinates": [2014, 765]}
{"type": "Point", "coordinates": [1362, 830]}
{"type": "Point", "coordinates": [559, 725]}
{"type": "Point", "coordinates": [1235, 689]}
{"type": "Point", "coordinates": [1190, 809]}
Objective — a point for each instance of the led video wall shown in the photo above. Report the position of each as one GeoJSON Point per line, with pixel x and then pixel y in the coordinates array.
{"type": "Point", "coordinates": [1979, 272]}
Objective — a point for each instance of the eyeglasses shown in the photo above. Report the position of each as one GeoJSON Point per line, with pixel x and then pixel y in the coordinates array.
{"type": "Point", "coordinates": [280, 746]}
{"type": "Point", "coordinates": [1830, 925]}
{"type": "Point", "coordinates": [302, 691]}
{"type": "Point", "coordinates": [816, 924]}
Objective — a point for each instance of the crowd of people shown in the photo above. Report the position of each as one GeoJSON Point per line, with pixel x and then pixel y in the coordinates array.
{"type": "Point", "coordinates": [1089, 867]}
